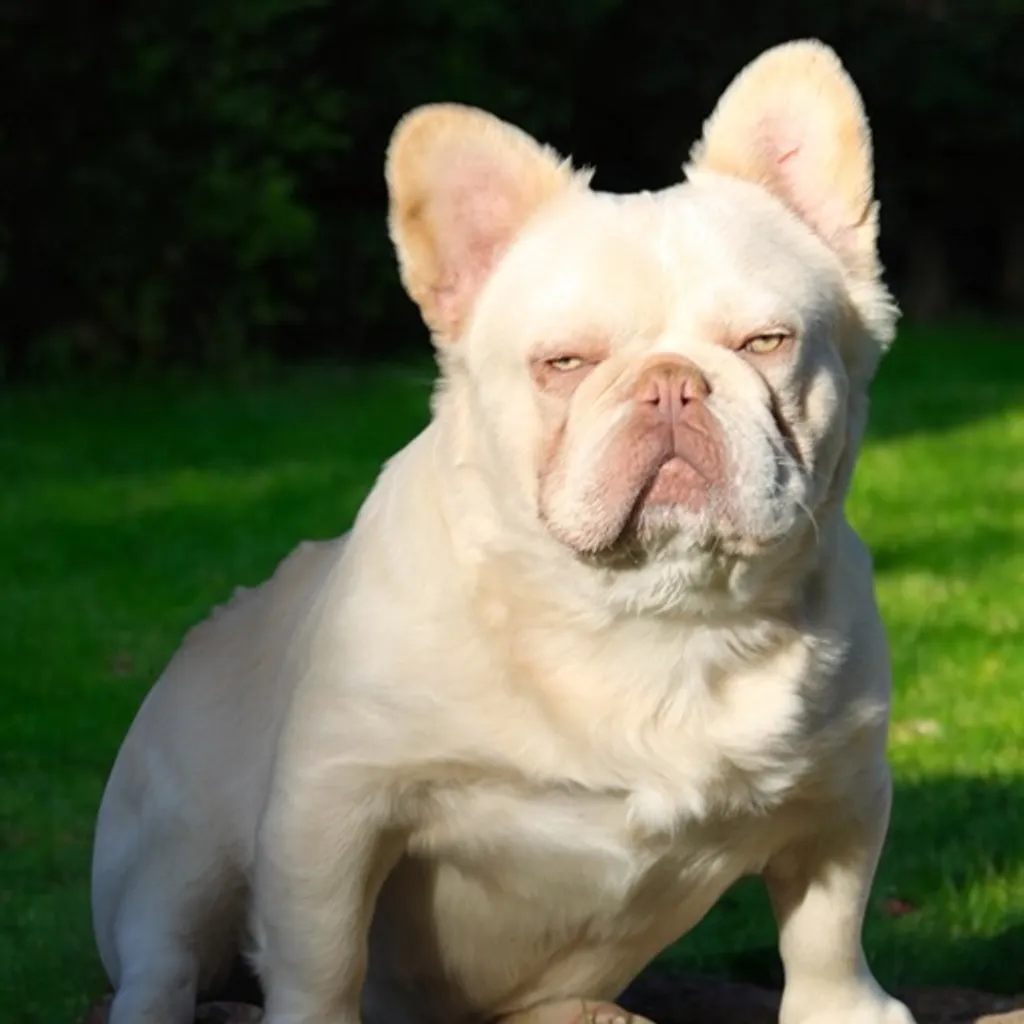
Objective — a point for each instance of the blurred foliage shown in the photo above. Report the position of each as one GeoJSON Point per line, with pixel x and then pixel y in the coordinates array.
{"type": "Point", "coordinates": [156, 153]}
{"type": "Point", "coordinates": [198, 182]}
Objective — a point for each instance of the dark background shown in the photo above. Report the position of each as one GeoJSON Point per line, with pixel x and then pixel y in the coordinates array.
{"type": "Point", "coordinates": [198, 183]}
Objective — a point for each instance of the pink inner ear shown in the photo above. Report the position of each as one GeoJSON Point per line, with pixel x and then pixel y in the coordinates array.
{"type": "Point", "coordinates": [799, 171]}
{"type": "Point", "coordinates": [478, 211]}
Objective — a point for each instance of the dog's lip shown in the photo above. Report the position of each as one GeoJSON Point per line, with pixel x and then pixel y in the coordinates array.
{"type": "Point", "coordinates": [620, 543]}
{"type": "Point", "coordinates": [666, 481]}
{"type": "Point", "coordinates": [672, 469]}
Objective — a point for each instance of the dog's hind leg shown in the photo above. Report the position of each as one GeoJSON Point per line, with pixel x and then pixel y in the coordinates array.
{"type": "Point", "coordinates": [158, 990]}
{"type": "Point", "coordinates": [175, 939]}
{"type": "Point", "coordinates": [168, 911]}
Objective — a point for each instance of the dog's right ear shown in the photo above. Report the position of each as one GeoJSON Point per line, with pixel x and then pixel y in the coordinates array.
{"type": "Point", "coordinates": [461, 185]}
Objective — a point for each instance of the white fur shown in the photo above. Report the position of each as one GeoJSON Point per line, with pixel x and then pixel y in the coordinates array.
{"type": "Point", "coordinates": [447, 768]}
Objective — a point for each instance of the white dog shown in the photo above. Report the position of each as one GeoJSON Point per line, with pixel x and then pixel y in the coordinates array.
{"type": "Point", "coordinates": [601, 640]}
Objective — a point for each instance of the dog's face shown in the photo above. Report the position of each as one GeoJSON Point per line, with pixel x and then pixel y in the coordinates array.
{"type": "Point", "coordinates": [669, 372]}
{"type": "Point", "coordinates": [663, 365]}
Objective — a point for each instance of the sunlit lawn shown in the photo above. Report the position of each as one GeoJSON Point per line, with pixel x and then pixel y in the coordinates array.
{"type": "Point", "coordinates": [126, 512]}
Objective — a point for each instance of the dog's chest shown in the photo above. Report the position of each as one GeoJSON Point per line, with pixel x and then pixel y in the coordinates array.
{"type": "Point", "coordinates": [673, 791]}
{"type": "Point", "coordinates": [598, 850]}
{"type": "Point", "coordinates": [611, 822]}
{"type": "Point", "coordinates": [578, 853]}
{"type": "Point", "coordinates": [558, 843]}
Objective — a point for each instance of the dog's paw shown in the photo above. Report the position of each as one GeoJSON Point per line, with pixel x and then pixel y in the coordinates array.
{"type": "Point", "coordinates": [609, 1013]}
{"type": "Point", "coordinates": [574, 1011]}
{"type": "Point", "coordinates": [858, 1008]}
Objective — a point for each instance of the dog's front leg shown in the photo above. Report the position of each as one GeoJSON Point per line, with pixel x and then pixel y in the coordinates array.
{"type": "Point", "coordinates": [819, 891]}
{"type": "Point", "coordinates": [326, 847]}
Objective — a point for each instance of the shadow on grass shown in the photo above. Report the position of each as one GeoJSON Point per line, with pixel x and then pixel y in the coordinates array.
{"type": "Point", "coordinates": [78, 432]}
{"type": "Point", "coordinates": [949, 834]}
{"type": "Point", "coordinates": [938, 379]}
{"type": "Point", "coordinates": [946, 551]}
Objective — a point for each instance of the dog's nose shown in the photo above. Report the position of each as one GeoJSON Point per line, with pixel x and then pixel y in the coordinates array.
{"type": "Point", "coordinates": [670, 386]}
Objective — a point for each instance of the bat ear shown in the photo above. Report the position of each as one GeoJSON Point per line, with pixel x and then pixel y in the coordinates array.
{"type": "Point", "coordinates": [462, 184]}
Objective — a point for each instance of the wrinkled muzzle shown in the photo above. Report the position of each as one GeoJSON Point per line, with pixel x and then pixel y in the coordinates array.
{"type": "Point", "coordinates": [668, 454]}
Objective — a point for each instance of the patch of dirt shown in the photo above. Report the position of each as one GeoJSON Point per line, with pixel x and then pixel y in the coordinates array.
{"type": "Point", "coordinates": [670, 997]}
{"type": "Point", "coordinates": [208, 1013]}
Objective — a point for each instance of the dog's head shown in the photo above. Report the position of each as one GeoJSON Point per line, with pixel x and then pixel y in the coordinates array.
{"type": "Point", "coordinates": [667, 376]}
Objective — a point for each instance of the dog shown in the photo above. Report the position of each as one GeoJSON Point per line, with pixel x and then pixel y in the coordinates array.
{"type": "Point", "coordinates": [600, 641]}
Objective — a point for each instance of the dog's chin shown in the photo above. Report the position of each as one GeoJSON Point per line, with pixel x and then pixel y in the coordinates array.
{"type": "Point", "coordinates": [651, 526]}
{"type": "Point", "coordinates": [657, 529]}
{"type": "Point", "coordinates": [670, 499]}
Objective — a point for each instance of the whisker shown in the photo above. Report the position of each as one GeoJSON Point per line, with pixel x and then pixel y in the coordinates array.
{"type": "Point", "coordinates": [811, 517]}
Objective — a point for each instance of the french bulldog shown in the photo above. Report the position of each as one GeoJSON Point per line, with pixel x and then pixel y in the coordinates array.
{"type": "Point", "coordinates": [601, 640]}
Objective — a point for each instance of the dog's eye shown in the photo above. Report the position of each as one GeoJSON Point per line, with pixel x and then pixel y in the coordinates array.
{"type": "Point", "coordinates": [765, 344]}
{"type": "Point", "coordinates": [561, 375]}
{"type": "Point", "coordinates": [565, 363]}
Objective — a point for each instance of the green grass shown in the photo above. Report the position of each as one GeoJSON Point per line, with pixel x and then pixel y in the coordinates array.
{"type": "Point", "coordinates": [125, 513]}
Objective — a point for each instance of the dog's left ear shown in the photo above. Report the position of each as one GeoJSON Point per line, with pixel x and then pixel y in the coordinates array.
{"type": "Point", "coordinates": [793, 122]}
{"type": "Point", "coordinates": [462, 184]}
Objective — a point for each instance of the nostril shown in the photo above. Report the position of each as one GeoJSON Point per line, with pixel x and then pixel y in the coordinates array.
{"type": "Point", "coordinates": [654, 391]}
{"type": "Point", "coordinates": [693, 388]}
{"type": "Point", "coordinates": [669, 388]}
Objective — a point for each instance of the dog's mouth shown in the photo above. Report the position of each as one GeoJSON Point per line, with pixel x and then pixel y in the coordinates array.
{"type": "Point", "coordinates": [675, 507]}
{"type": "Point", "coordinates": [677, 481]}
{"type": "Point", "coordinates": [681, 487]}
{"type": "Point", "coordinates": [652, 484]}
{"type": "Point", "coordinates": [669, 499]}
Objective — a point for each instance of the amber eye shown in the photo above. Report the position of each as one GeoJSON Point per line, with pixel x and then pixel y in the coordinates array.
{"type": "Point", "coordinates": [565, 363]}
{"type": "Point", "coordinates": [765, 344]}
{"type": "Point", "coordinates": [561, 375]}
